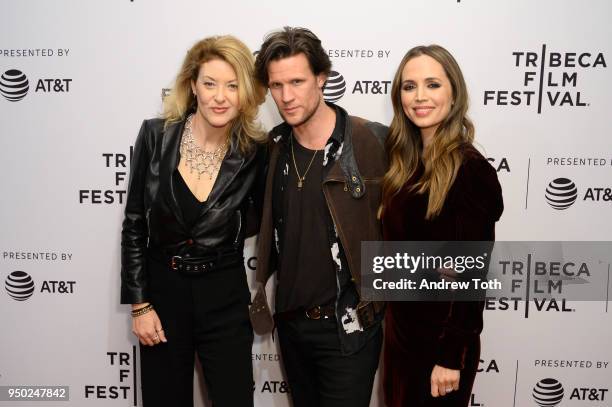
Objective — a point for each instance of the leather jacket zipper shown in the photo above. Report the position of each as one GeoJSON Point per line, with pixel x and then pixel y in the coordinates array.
{"type": "Point", "coordinates": [239, 226]}
{"type": "Point", "coordinates": [148, 218]}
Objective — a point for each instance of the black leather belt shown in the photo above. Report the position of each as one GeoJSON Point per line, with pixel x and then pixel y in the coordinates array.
{"type": "Point", "coordinates": [200, 264]}
{"type": "Point", "coordinates": [316, 312]}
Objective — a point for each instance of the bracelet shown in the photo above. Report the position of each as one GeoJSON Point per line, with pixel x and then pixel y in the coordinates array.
{"type": "Point", "coordinates": [141, 311]}
{"type": "Point", "coordinates": [143, 307]}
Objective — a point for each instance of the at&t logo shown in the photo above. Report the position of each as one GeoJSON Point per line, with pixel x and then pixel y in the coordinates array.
{"type": "Point", "coordinates": [334, 87]}
{"type": "Point", "coordinates": [548, 393]}
{"type": "Point", "coordinates": [19, 285]}
{"type": "Point", "coordinates": [14, 85]}
{"type": "Point", "coordinates": [561, 193]}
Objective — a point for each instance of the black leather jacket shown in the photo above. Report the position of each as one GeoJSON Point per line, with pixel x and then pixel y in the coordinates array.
{"type": "Point", "coordinates": [153, 221]}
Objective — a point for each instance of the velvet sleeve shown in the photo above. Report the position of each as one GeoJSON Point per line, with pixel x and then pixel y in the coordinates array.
{"type": "Point", "coordinates": [478, 203]}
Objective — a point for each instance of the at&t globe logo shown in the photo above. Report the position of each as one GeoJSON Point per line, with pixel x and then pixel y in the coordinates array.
{"type": "Point", "coordinates": [334, 87]}
{"type": "Point", "coordinates": [14, 85]}
{"type": "Point", "coordinates": [548, 393]}
{"type": "Point", "coordinates": [19, 285]}
{"type": "Point", "coordinates": [561, 193]}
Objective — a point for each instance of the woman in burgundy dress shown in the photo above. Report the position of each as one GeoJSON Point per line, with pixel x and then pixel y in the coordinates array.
{"type": "Point", "coordinates": [438, 188]}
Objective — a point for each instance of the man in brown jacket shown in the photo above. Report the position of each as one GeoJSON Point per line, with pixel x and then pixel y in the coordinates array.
{"type": "Point", "coordinates": [322, 194]}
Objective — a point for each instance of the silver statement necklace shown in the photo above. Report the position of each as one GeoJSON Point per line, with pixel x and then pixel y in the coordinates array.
{"type": "Point", "coordinates": [201, 161]}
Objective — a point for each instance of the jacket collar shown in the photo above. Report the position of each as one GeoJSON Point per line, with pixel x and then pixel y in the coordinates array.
{"type": "Point", "coordinates": [345, 165]}
{"type": "Point", "coordinates": [283, 130]}
{"type": "Point", "coordinates": [170, 158]}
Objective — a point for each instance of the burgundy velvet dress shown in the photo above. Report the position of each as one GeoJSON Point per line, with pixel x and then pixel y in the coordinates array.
{"type": "Point", "coordinates": [419, 335]}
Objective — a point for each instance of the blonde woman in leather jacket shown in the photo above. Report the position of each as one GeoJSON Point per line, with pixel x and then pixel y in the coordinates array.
{"type": "Point", "coordinates": [195, 173]}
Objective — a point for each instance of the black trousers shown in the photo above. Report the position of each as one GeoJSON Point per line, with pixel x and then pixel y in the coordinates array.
{"type": "Point", "coordinates": [205, 315]}
{"type": "Point", "coordinates": [318, 374]}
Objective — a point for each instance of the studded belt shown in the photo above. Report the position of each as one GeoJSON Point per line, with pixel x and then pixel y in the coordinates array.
{"type": "Point", "coordinates": [203, 263]}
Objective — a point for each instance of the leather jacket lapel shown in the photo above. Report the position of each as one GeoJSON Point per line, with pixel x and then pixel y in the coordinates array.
{"type": "Point", "coordinates": [230, 166]}
{"type": "Point", "coordinates": [169, 162]}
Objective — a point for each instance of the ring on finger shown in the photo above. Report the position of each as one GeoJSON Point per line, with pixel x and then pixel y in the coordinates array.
{"type": "Point", "coordinates": [449, 389]}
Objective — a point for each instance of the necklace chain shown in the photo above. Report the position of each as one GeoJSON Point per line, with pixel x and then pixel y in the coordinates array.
{"type": "Point", "coordinates": [300, 178]}
{"type": "Point", "coordinates": [197, 159]}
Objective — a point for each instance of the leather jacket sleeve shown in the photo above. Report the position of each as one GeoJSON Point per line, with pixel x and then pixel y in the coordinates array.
{"type": "Point", "coordinates": [134, 235]}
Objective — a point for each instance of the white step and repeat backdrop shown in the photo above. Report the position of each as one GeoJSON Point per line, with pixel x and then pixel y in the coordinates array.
{"type": "Point", "coordinates": [541, 95]}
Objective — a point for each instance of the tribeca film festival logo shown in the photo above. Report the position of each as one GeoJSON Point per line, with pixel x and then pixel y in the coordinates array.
{"type": "Point", "coordinates": [124, 363]}
{"type": "Point", "coordinates": [538, 284]}
{"type": "Point", "coordinates": [550, 79]}
{"type": "Point", "coordinates": [14, 85]}
{"type": "Point", "coordinates": [561, 193]}
{"type": "Point", "coordinates": [549, 392]}
{"type": "Point", "coordinates": [119, 162]}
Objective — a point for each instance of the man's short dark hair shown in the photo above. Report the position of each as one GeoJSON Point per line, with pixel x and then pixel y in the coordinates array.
{"type": "Point", "coordinates": [287, 43]}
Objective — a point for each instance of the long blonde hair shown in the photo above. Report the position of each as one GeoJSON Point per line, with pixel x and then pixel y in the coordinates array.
{"type": "Point", "coordinates": [443, 157]}
{"type": "Point", "coordinates": [227, 48]}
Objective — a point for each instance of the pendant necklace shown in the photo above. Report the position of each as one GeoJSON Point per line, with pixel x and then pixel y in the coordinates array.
{"type": "Point", "coordinates": [301, 178]}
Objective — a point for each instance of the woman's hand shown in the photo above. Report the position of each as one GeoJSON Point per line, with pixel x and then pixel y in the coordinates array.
{"type": "Point", "coordinates": [147, 327]}
{"type": "Point", "coordinates": [444, 381]}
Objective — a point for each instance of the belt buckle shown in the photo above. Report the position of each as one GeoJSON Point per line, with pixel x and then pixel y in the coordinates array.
{"type": "Point", "coordinates": [314, 313]}
{"type": "Point", "coordinates": [173, 265]}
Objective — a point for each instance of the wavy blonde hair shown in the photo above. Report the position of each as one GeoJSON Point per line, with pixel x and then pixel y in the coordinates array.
{"type": "Point", "coordinates": [244, 129]}
{"type": "Point", "coordinates": [443, 157]}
